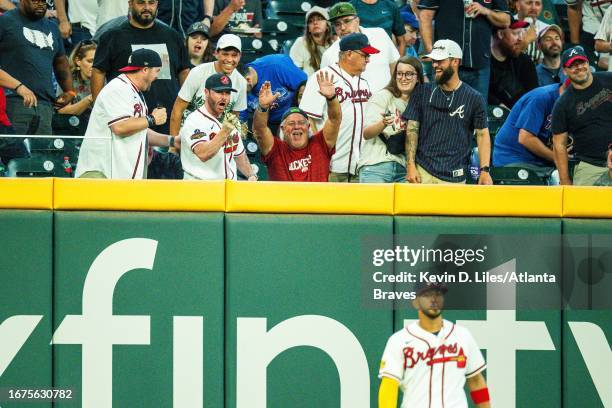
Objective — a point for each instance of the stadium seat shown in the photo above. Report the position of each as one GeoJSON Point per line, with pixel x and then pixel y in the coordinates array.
{"type": "Point", "coordinates": [278, 26]}
{"type": "Point", "coordinates": [496, 115]}
{"type": "Point", "coordinates": [288, 7]}
{"type": "Point", "coordinates": [253, 48]}
{"type": "Point", "coordinates": [39, 167]}
{"type": "Point", "coordinates": [70, 125]}
{"type": "Point", "coordinates": [516, 176]}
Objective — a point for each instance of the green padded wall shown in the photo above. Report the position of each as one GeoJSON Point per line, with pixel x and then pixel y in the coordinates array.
{"type": "Point", "coordinates": [282, 266]}
{"type": "Point", "coordinates": [538, 373]}
{"type": "Point", "coordinates": [186, 280]}
{"type": "Point", "coordinates": [26, 289]}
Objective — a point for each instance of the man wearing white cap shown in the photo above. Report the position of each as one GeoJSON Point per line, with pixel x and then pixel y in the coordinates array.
{"type": "Point", "coordinates": [191, 96]}
{"type": "Point", "coordinates": [442, 118]}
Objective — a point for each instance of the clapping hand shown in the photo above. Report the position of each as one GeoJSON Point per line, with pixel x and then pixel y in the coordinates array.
{"type": "Point", "coordinates": [326, 84]}
{"type": "Point", "coordinates": [266, 97]}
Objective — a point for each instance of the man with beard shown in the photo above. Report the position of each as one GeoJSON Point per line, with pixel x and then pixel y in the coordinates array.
{"type": "Point", "coordinates": [31, 50]}
{"type": "Point", "coordinates": [432, 354]}
{"type": "Point", "coordinates": [550, 42]}
{"type": "Point", "coordinates": [211, 145]}
{"type": "Point", "coordinates": [585, 112]}
{"type": "Point", "coordinates": [298, 157]}
{"type": "Point", "coordinates": [142, 30]}
{"type": "Point", "coordinates": [513, 73]}
{"type": "Point", "coordinates": [119, 130]}
{"type": "Point", "coordinates": [442, 118]}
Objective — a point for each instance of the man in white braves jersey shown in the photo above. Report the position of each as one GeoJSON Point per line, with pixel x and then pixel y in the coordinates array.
{"type": "Point", "coordinates": [117, 137]}
{"type": "Point", "coordinates": [431, 360]}
{"type": "Point", "coordinates": [211, 149]}
{"type": "Point", "coordinates": [353, 94]}
{"type": "Point", "coordinates": [343, 17]}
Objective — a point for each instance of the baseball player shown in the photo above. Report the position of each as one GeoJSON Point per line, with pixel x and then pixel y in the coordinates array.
{"type": "Point", "coordinates": [212, 147]}
{"type": "Point", "coordinates": [118, 133]}
{"type": "Point", "coordinates": [431, 360]}
{"type": "Point", "coordinates": [353, 93]}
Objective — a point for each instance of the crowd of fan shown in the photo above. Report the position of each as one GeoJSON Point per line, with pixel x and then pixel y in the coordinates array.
{"type": "Point", "coordinates": [373, 91]}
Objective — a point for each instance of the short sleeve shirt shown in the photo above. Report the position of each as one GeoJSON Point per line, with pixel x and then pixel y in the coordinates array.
{"type": "Point", "coordinates": [27, 51]}
{"type": "Point", "coordinates": [383, 14]}
{"type": "Point", "coordinates": [308, 164]}
{"type": "Point", "coordinates": [472, 34]}
{"type": "Point", "coordinates": [250, 15]}
{"type": "Point", "coordinates": [447, 122]}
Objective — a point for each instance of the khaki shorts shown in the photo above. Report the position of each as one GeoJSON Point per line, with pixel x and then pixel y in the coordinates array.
{"type": "Point", "coordinates": [586, 174]}
{"type": "Point", "coordinates": [427, 178]}
{"type": "Point", "coordinates": [342, 178]}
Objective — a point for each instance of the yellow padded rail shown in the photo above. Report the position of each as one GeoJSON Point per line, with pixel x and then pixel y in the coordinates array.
{"type": "Point", "coordinates": [139, 195]}
{"type": "Point", "coordinates": [454, 200]}
{"type": "Point", "coordinates": [26, 193]}
{"type": "Point", "coordinates": [313, 198]}
{"type": "Point", "coordinates": [587, 202]}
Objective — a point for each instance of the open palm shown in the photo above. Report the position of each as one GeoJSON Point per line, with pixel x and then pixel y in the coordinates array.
{"type": "Point", "coordinates": [266, 97]}
{"type": "Point", "coordinates": [326, 84]}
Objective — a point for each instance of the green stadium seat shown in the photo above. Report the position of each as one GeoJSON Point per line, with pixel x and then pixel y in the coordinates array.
{"type": "Point", "coordinates": [516, 176]}
{"type": "Point", "coordinates": [39, 167]}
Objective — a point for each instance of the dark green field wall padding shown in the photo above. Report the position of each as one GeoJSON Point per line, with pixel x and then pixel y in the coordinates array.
{"type": "Point", "coordinates": [26, 289]}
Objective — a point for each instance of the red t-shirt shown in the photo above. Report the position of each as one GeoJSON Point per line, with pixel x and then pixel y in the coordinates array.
{"type": "Point", "coordinates": [308, 164]}
{"type": "Point", "coordinates": [4, 120]}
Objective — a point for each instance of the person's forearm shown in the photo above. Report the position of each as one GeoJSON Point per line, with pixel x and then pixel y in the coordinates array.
{"type": "Point", "coordinates": [483, 141]}
{"type": "Point", "coordinates": [62, 73]}
{"type": "Point", "coordinates": [561, 157]}
{"type": "Point", "coordinates": [60, 7]}
{"type": "Point", "coordinates": [157, 139]}
{"type": "Point", "coordinates": [373, 130]}
{"type": "Point", "coordinates": [244, 165]}
{"type": "Point", "coordinates": [426, 29]}
{"type": "Point", "coordinates": [129, 127]}
{"type": "Point", "coordinates": [387, 393]}
{"type": "Point", "coordinates": [182, 76]}
{"type": "Point", "coordinates": [220, 21]}
{"type": "Point", "coordinates": [603, 46]}
{"type": "Point", "coordinates": [574, 19]}
{"type": "Point", "coordinates": [412, 139]}
{"type": "Point", "coordinates": [177, 115]}
{"type": "Point", "coordinates": [401, 44]}
{"type": "Point", "coordinates": [97, 82]}
{"type": "Point", "coordinates": [7, 81]}
{"type": "Point", "coordinates": [499, 19]}
{"type": "Point", "coordinates": [535, 146]}
{"type": "Point", "coordinates": [260, 123]}
{"type": "Point", "coordinates": [334, 112]}
{"type": "Point", "coordinates": [76, 108]}
{"type": "Point", "coordinates": [206, 150]}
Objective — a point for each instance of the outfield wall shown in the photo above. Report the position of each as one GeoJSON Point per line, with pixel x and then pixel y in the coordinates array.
{"type": "Point", "coordinates": [200, 285]}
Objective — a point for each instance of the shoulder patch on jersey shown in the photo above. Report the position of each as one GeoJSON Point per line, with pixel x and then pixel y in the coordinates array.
{"type": "Point", "coordinates": [197, 135]}
{"type": "Point", "coordinates": [382, 364]}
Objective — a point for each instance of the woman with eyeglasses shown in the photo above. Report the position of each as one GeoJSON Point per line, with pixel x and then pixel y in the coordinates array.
{"type": "Point", "coordinates": [81, 63]}
{"type": "Point", "coordinates": [307, 50]}
{"type": "Point", "coordinates": [382, 154]}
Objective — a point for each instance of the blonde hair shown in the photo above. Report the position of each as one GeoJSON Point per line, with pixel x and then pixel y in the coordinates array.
{"type": "Point", "coordinates": [78, 53]}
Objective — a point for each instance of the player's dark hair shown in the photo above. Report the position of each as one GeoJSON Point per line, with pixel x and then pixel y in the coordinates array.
{"type": "Point", "coordinates": [412, 61]}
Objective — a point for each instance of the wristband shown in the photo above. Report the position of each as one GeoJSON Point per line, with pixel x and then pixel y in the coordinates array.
{"type": "Point", "coordinates": [486, 169]}
{"type": "Point", "coordinates": [170, 141]}
{"type": "Point", "coordinates": [17, 87]}
{"type": "Point", "coordinates": [150, 120]}
{"type": "Point", "coordinates": [207, 17]}
{"type": "Point", "coordinates": [330, 99]}
{"type": "Point", "coordinates": [262, 109]}
{"type": "Point", "coordinates": [480, 396]}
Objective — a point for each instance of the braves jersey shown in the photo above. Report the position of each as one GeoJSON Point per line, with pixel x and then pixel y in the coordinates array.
{"type": "Point", "coordinates": [353, 94]}
{"type": "Point", "coordinates": [117, 157]}
{"type": "Point", "coordinates": [199, 127]}
{"type": "Point", "coordinates": [432, 369]}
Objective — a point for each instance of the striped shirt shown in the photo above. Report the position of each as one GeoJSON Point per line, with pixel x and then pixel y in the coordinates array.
{"type": "Point", "coordinates": [447, 122]}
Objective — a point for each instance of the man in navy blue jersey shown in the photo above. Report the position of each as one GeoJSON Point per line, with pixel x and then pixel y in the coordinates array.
{"type": "Point", "coordinates": [442, 119]}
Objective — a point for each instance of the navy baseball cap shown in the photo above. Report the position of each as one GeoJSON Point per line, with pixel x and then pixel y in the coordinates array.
{"type": "Point", "coordinates": [573, 54]}
{"type": "Point", "coordinates": [142, 58]}
{"type": "Point", "coordinates": [291, 111]}
{"type": "Point", "coordinates": [219, 83]}
{"type": "Point", "coordinates": [357, 42]}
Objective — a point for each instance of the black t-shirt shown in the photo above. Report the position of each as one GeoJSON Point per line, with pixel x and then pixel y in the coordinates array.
{"type": "Point", "coordinates": [27, 51]}
{"type": "Point", "coordinates": [116, 46]}
{"type": "Point", "coordinates": [511, 79]}
{"type": "Point", "coordinates": [447, 122]}
{"type": "Point", "coordinates": [586, 114]}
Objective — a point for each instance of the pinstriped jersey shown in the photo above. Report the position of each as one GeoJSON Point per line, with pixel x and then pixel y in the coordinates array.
{"type": "Point", "coordinates": [431, 369]}
{"type": "Point", "coordinates": [446, 127]}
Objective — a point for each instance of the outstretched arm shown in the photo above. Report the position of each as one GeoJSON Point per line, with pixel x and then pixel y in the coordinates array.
{"type": "Point", "coordinates": [263, 135]}
{"type": "Point", "coordinates": [334, 114]}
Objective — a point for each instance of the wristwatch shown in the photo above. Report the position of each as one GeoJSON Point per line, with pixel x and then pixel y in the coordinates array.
{"type": "Point", "coordinates": [486, 169]}
{"type": "Point", "coordinates": [262, 109]}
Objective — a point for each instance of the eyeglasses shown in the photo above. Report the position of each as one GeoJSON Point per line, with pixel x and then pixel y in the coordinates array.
{"type": "Point", "coordinates": [298, 123]}
{"type": "Point", "coordinates": [407, 75]}
{"type": "Point", "coordinates": [345, 21]}
{"type": "Point", "coordinates": [363, 54]}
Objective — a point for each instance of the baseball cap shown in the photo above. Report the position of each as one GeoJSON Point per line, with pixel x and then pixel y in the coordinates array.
{"type": "Point", "coordinates": [341, 9]}
{"type": "Point", "coordinates": [547, 28]}
{"type": "Point", "coordinates": [443, 49]}
{"type": "Point", "coordinates": [317, 10]}
{"type": "Point", "coordinates": [424, 286]}
{"type": "Point", "coordinates": [229, 40]}
{"type": "Point", "coordinates": [410, 19]}
{"type": "Point", "coordinates": [198, 27]}
{"type": "Point", "coordinates": [573, 54]}
{"type": "Point", "coordinates": [142, 58]}
{"type": "Point", "coordinates": [219, 83]}
{"type": "Point", "coordinates": [357, 41]}
{"type": "Point", "coordinates": [514, 23]}
{"type": "Point", "coordinates": [291, 111]}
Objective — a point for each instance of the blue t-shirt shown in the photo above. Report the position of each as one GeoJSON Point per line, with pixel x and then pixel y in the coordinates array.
{"type": "Point", "coordinates": [284, 78]}
{"type": "Point", "coordinates": [27, 51]}
{"type": "Point", "coordinates": [549, 76]}
{"type": "Point", "coordinates": [533, 113]}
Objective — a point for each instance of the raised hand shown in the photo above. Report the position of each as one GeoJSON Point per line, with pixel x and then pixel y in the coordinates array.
{"type": "Point", "coordinates": [266, 97]}
{"type": "Point", "coordinates": [326, 84]}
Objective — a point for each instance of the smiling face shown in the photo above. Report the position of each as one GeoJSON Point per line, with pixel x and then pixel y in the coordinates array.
{"type": "Point", "coordinates": [295, 128]}
{"type": "Point", "coordinates": [444, 70]}
{"type": "Point", "coordinates": [406, 77]}
{"type": "Point", "coordinates": [216, 102]}
{"type": "Point", "coordinates": [227, 60]}
{"type": "Point", "coordinates": [578, 72]}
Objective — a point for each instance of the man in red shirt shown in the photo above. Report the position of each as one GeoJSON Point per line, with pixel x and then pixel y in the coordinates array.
{"type": "Point", "coordinates": [298, 158]}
